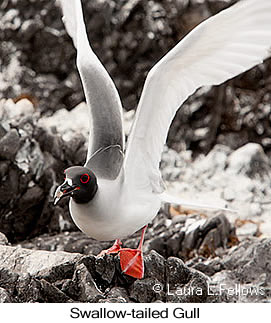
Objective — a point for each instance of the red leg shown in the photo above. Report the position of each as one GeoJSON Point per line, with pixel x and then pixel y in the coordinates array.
{"type": "Point", "coordinates": [131, 260]}
{"type": "Point", "coordinates": [114, 249]}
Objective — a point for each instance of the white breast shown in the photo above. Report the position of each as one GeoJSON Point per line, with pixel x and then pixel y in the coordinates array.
{"type": "Point", "coordinates": [114, 213]}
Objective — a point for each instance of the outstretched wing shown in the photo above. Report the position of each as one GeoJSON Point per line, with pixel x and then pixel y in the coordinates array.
{"type": "Point", "coordinates": [102, 97]}
{"type": "Point", "coordinates": [220, 48]}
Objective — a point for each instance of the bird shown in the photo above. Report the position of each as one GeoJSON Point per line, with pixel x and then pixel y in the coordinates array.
{"type": "Point", "coordinates": [119, 190]}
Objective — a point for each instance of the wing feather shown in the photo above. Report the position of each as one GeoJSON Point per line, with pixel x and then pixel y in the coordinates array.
{"type": "Point", "coordinates": [106, 126]}
{"type": "Point", "coordinates": [221, 47]}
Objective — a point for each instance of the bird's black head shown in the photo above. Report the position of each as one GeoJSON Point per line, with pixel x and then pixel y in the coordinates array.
{"type": "Point", "coordinates": [80, 183]}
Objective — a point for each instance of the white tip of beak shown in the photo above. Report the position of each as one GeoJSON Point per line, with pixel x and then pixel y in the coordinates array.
{"type": "Point", "coordinates": [56, 200]}
{"type": "Point", "coordinates": [58, 195]}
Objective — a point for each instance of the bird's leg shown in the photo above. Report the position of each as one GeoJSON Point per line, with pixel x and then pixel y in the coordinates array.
{"type": "Point", "coordinates": [131, 260]}
{"type": "Point", "coordinates": [114, 249]}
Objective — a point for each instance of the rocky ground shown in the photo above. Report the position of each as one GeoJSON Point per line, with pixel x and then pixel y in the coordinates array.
{"type": "Point", "coordinates": [219, 154]}
{"type": "Point", "coordinates": [190, 256]}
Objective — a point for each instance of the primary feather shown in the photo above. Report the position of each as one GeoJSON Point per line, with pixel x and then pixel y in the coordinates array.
{"type": "Point", "coordinates": [102, 98]}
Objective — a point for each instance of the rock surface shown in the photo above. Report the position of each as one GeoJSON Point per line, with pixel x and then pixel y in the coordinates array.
{"type": "Point", "coordinates": [31, 276]}
{"type": "Point", "coordinates": [32, 160]}
{"type": "Point", "coordinates": [239, 179]}
{"type": "Point", "coordinates": [242, 274]}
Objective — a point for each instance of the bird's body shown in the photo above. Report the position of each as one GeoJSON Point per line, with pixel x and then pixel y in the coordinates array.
{"type": "Point", "coordinates": [119, 191]}
{"type": "Point", "coordinates": [115, 212]}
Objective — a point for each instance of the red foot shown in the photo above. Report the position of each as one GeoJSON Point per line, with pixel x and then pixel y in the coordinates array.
{"type": "Point", "coordinates": [114, 249]}
{"type": "Point", "coordinates": [131, 262]}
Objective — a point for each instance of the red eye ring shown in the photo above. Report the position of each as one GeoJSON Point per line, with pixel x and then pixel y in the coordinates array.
{"type": "Point", "coordinates": [84, 178]}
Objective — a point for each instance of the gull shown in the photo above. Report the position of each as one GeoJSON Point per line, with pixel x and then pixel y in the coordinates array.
{"type": "Point", "coordinates": [120, 190]}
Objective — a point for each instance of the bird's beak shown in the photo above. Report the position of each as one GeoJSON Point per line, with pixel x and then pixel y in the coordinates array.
{"type": "Point", "coordinates": [64, 190]}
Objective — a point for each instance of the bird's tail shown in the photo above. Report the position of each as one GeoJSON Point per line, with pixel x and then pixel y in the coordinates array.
{"type": "Point", "coordinates": [167, 198]}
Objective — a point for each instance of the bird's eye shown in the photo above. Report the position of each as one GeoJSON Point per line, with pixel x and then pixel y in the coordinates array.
{"type": "Point", "coordinates": [84, 178]}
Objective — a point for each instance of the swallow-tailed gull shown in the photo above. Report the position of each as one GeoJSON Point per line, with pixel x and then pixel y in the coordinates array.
{"type": "Point", "coordinates": [119, 191]}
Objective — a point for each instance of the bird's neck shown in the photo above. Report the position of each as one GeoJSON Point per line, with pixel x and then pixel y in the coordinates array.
{"type": "Point", "coordinates": [85, 196]}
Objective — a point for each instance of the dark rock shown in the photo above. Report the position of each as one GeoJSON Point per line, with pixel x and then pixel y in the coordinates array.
{"type": "Point", "coordinates": [31, 197]}
{"type": "Point", "coordinates": [207, 266]}
{"type": "Point", "coordinates": [181, 240]}
{"type": "Point", "coordinates": [2, 131]}
{"type": "Point", "coordinates": [43, 264]}
{"type": "Point", "coordinates": [9, 145]}
{"type": "Point", "coordinates": [218, 231]}
{"type": "Point", "coordinates": [28, 276]}
{"type": "Point", "coordinates": [8, 189]}
{"type": "Point", "coordinates": [154, 265]}
{"type": "Point", "coordinates": [116, 295]}
{"type": "Point", "coordinates": [158, 244]}
{"type": "Point", "coordinates": [105, 267]}
{"type": "Point", "coordinates": [31, 289]}
{"type": "Point", "coordinates": [52, 294]}
{"type": "Point", "coordinates": [195, 291]}
{"type": "Point", "coordinates": [174, 244]}
{"type": "Point", "coordinates": [8, 280]}
{"type": "Point", "coordinates": [177, 272]}
{"type": "Point", "coordinates": [3, 169]}
{"type": "Point", "coordinates": [30, 176]}
{"type": "Point", "coordinates": [207, 235]}
{"type": "Point", "coordinates": [228, 287]}
{"type": "Point", "coordinates": [241, 275]}
{"type": "Point", "coordinates": [145, 290]}
{"type": "Point", "coordinates": [42, 276]}
{"type": "Point", "coordinates": [82, 286]}
{"type": "Point", "coordinates": [250, 260]}
{"type": "Point", "coordinates": [5, 297]}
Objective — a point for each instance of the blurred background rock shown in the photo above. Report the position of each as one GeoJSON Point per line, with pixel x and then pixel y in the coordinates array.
{"type": "Point", "coordinates": [37, 59]}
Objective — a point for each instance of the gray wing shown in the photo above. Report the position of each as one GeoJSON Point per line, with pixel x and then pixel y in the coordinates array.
{"type": "Point", "coordinates": [102, 98]}
{"type": "Point", "coordinates": [106, 162]}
